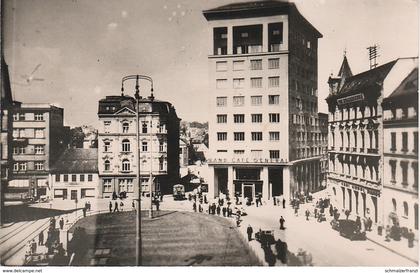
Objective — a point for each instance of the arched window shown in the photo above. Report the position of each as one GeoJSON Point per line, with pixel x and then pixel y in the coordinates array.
{"type": "Point", "coordinates": [394, 205]}
{"type": "Point", "coordinates": [125, 127]}
{"type": "Point", "coordinates": [405, 208]}
{"type": "Point", "coordinates": [144, 128]}
{"type": "Point", "coordinates": [126, 165]}
{"type": "Point", "coordinates": [126, 145]}
{"type": "Point", "coordinates": [107, 165]}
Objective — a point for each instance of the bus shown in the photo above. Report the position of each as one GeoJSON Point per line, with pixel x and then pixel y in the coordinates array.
{"type": "Point", "coordinates": [179, 192]}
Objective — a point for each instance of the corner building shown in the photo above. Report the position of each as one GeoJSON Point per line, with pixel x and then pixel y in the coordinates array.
{"type": "Point", "coordinates": [356, 135]}
{"type": "Point", "coordinates": [117, 143]}
{"type": "Point", "coordinates": [264, 135]}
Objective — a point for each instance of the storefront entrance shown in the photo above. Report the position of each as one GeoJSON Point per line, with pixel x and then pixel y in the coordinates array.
{"type": "Point", "coordinates": [248, 191]}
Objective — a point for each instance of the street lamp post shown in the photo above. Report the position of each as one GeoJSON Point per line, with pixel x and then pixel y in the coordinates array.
{"type": "Point", "coordinates": [138, 218]}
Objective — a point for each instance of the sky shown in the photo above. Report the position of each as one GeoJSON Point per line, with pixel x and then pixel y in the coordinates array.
{"type": "Point", "coordinates": [85, 47]}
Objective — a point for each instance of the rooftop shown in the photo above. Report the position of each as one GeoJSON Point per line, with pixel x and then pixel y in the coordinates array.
{"type": "Point", "coordinates": [77, 160]}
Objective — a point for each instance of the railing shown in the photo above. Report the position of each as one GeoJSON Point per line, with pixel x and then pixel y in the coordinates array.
{"type": "Point", "coordinates": [372, 151]}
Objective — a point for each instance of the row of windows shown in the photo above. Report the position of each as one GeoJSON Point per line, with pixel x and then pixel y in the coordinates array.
{"type": "Point", "coordinates": [23, 166]}
{"type": "Point", "coordinates": [256, 64]}
{"type": "Point", "coordinates": [404, 138]}
{"type": "Point", "coordinates": [353, 113]}
{"type": "Point", "coordinates": [255, 136]}
{"type": "Point", "coordinates": [126, 146]}
{"type": "Point", "coordinates": [255, 118]}
{"type": "Point", "coordinates": [240, 100]}
{"type": "Point", "coordinates": [126, 166]}
{"type": "Point", "coordinates": [274, 154]}
{"type": "Point", "coordinates": [255, 82]}
{"type": "Point", "coordinates": [39, 150]}
{"type": "Point", "coordinates": [126, 127]}
{"type": "Point", "coordinates": [124, 184]}
{"type": "Point", "coordinates": [73, 177]}
{"type": "Point", "coordinates": [28, 133]}
{"type": "Point", "coordinates": [404, 172]}
{"type": "Point", "coordinates": [405, 208]}
{"type": "Point", "coordinates": [28, 116]}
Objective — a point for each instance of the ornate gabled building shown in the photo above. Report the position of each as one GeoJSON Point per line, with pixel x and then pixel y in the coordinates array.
{"type": "Point", "coordinates": [264, 135]}
{"type": "Point", "coordinates": [117, 143]}
{"type": "Point", "coordinates": [355, 178]}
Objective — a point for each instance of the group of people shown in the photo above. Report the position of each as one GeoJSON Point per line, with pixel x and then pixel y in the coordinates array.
{"type": "Point", "coordinates": [115, 207]}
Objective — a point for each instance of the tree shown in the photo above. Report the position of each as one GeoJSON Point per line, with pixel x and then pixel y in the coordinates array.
{"type": "Point", "coordinates": [76, 137]}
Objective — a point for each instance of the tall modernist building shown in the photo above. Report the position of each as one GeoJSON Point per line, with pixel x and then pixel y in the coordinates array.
{"type": "Point", "coordinates": [39, 137]}
{"type": "Point", "coordinates": [117, 144]}
{"type": "Point", "coordinates": [401, 151]}
{"type": "Point", "coordinates": [263, 131]}
{"type": "Point", "coordinates": [356, 135]}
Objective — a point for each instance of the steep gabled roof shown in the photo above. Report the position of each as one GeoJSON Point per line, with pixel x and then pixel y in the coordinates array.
{"type": "Point", "coordinates": [410, 85]}
{"type": "Point", "coordinates": [77, 160]}
{"type": "Point", "coordinates": [367, 79]}
{"type": "Point", "coordinates": [345, 70]}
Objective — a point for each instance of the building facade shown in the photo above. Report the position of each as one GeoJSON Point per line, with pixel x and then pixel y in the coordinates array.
{"type": "Point", "coordinates": [355, 178]}
{"type": "Point", "coordinates": [39, 137]}
{"type": "Point", "coordinates": [117, 144]}
{"type": "Point", "coordinates": [6, 105]}
{"type": "Point", "coordinates": [401, 176]}
{"type": "Point", "coordinates": [264, 132]}
{"type": "Point", "coordinates": [74, 176]}
{"type": "Point", "coordinates": [323, 127]}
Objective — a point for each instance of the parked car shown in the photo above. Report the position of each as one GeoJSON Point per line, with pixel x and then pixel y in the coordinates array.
{"type": "Point", "coordinates": [348, 229]}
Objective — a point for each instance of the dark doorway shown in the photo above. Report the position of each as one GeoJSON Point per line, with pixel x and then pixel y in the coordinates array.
{"type": "Point", "coordinates": [275, 178]}
{"type": "Point", "coordinates": [222, 179]}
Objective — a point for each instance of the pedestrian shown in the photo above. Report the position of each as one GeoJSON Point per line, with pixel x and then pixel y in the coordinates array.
{"type": "Point", "coordinates": [387, 233]}
{"type": "Point", "coordinates": [200, 208]}
{"type": "Point", "coordinates": [84, 212]}
{"type": "Point", "coordinates": [229, 211]}
{"type": "Point", "coordinates": [157, 203]}
{"type": "Point", "coordinates": [110, 206]}
{"type": "Point", "coordinates": [296, 210]}
{"type": "Point", "coordinates": [331, 210]}
{"type": "Point", "coordinates": [358, 223]}
{"type": "Point", "coordinates": [41, 238]}
{"type": "Point", "coordinates": [33, 246]}
{"type": "Point", "coordinates": [236, 199]}
{"type": "Point", "coordinates": [410, 237]}
{"type": "Point", "coordinates": [307, 214]}
{"type": "Point", "coordinates": [282, 222]}
{"type": "Point", "coordinates": [256, 202]}
{"type": "Point", "coordinates": [52, 223]}
{"type": "Point", "coordinates": [133, 205]}
{"type": "Point", "coordinates": [347, 213]}
{"type": "Point", "coordinates": [369, 223]}
{"type": "Point", "coordinates": [194, 207]}
{"type": "Point", "coordinates": [61, 223]}
{"type": "Point", "coordinates": [284, 203]}
{"type": "Point", "coordinates": [205, 199]}
{"type": "Point", "coordinates": [218, 210]}
{"type": "Point", "coordinates": [116, 207]}
{"type": "Point", "coordinates": [89, 206]}
{"type": "Point", "coordinates": [224, 211]}
{"type": "Point", "coordinates": [274, 201]}
{"type": "Point", "coordinates": [249, 231]}
{"type": "Point", "coordinates": [122, 206]}
{"type": "Point", "coordinates": [315, 212]}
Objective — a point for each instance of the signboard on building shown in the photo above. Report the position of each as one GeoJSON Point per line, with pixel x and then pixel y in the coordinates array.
{"type": "Point", "coordinates": [246, 160]}
{"type": "Point", "coordinates": [350, 99]}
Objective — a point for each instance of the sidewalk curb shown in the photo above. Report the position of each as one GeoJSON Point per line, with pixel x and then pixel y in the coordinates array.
{"type": "Point", "coordinates": [390, 249]}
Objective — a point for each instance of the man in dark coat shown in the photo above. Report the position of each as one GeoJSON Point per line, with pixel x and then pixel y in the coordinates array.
{"type": "Point", "coordinates": [218, 210]}
{"type": "Point", "coordinates": [282, 222]}
{"type": "Point", "coordinates": [110, 206]}
{"type": "Point", "coordinates": [116, 207]}
{"type": "Point", "coordinates": [41, 238]}
{"type": "Point", "coordinates": [284, 203]}
{"type": "Point", "coordinates": [194, 207]}
{"type": "Point", "coordinates": [224, 211]}
{"type": "Point", "coordinates": [61, 223]}
{"type": "Point", "coordinates": [410, 237]}
{"type": "Point", "coordinates": [249, 231]}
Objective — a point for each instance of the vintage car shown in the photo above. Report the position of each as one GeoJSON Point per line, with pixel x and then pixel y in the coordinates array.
{"type": "Point", "coordinates": [179, 192]}
{"type": "Point", "coordinates": [348, 229]}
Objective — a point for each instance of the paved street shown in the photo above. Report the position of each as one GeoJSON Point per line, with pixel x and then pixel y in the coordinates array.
{"type": "Point", "coordinates": [325, 245]}
{"type": "Point", "coordinates": [171, 238]}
